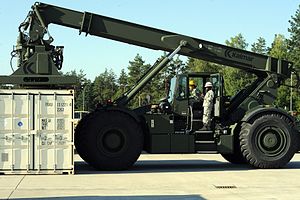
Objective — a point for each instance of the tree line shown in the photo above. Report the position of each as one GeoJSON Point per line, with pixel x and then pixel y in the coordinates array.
{"type": "Point", "coordinates": [109, 85]}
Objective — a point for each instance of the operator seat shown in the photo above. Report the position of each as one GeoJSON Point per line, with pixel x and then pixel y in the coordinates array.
{"type": "Point", "coordinates": [197, 109]}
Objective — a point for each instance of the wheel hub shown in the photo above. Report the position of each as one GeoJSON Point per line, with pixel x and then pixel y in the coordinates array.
{"type": "Point", "coordinates": [112, 142]}
{"type": "Point", "coordinates": [270, 140]}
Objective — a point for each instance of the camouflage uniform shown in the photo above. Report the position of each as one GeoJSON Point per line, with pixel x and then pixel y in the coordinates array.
{"type": "Point", "coordinates": [195, 93]}
{"type": "Point", "coordinates": [207, 107]}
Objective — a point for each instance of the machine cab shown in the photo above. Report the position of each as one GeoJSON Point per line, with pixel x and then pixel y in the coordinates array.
{"type": "Point", "coordinates": [187, 107]}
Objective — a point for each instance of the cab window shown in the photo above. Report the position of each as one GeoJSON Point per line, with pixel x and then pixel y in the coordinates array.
{"type": "Point", "coordinates": [172, 90]}
{"type": "Point", "coordinates": [199, 83]}
{"type": "Point", "coordinates": [182, 87]}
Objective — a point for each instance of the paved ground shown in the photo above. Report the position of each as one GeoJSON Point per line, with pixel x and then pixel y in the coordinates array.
{"type": "Point", "coordinates": [166, 177]}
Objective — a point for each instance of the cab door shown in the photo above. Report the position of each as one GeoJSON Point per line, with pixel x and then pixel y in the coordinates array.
{"type": "Point", "coordinates": [181, 96]}
{"type": "Point", "coordinates": [218, 85]}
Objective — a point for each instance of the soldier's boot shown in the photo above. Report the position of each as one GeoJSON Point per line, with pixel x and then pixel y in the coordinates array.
{"type": "Point", "coordinates": [206, 127]}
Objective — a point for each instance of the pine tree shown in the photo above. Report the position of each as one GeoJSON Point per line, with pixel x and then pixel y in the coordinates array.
{"type": "Point", "coordinates": [294, 49]}
{"type": "Point", "coordinates": [104, 87]}
{"type": "Point", "coordinates": [294, 40]}
{"type": "Point", "coordinates": [136, 70]}
{"type": "Point", "coordinates": [259, 46]}
{"type": "Point", "coordinates": [122, 82]}
{"type": "Point", "coordinates": [279, 47]}
{"type": "Point", "coordinates": [238, 42]}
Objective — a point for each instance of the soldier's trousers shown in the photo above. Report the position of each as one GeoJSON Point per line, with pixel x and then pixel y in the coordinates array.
{"type": "Point", "coordinates": [207, 114]}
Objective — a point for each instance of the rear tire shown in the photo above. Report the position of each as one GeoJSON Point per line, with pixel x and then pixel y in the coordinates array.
{"type": "Point", "coordinates": [112, 140]}
{"type": "Point", "coordinates": [80, 138]}
{"type": "Point", "coordinates": [269, 142]}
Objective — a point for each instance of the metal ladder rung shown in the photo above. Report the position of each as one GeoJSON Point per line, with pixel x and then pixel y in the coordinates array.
{"type": "Point", "coordinates": [200, 132]}
{"type": "Point", "coordinates": [204, 142]}
{"type": "Point", "coordinates": [208, 152]}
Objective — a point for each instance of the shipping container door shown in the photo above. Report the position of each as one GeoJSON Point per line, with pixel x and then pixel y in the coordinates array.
{"type": "Point", "coordinates": [54, 147]}
{"type": "Point", "coordinates": [16, 128]}
{"type": "Point", "coordinates": [64, 126]}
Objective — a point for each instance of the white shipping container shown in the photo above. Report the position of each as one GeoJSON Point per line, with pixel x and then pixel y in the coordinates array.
{"type": "Point", "coordinates": [36, 131]}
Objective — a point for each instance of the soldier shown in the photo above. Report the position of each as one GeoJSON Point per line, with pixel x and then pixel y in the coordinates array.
{"type": "Point", "coordinates": [194, 91]}
{"type": "Point", "coordinates": [207, 105]}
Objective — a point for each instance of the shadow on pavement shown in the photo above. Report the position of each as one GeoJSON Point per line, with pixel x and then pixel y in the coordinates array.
{"type": "Point", "coordinates": [158, 197]}
{"type": "Point", "coordinates": [293, 165]}
{"type": "Point", "coordinates": [165, 166]}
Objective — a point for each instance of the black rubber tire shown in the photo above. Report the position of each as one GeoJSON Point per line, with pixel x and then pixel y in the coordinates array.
{"type": "Point", "coordinates": [269, 142]}
{"type": "Point", "coordinates": [237, 156]}
{"type": "Point", "coordinates": [80, 138]}
{"type": "Point", "coordinates": [109, 140]}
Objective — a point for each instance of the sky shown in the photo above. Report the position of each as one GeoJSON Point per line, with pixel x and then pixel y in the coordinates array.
{"type": "Point", "coordinates": [212, 20]}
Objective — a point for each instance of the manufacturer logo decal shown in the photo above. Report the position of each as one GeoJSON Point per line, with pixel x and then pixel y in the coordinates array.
{"type": "Point", "coordinates": [238, 55]}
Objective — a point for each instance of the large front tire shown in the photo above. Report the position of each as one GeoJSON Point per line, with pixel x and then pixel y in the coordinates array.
{"type": "Point", "coordinates": [269, 142]}
{"type": "Point", "coordinates": [113, 140]}
{"type": "Point", "coordinates": [236, 157]}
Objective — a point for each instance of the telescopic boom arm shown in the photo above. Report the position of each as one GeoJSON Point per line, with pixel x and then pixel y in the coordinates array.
{"type": "Point", "coordinates": [152, 38]}
{"type": "Point", "coordinates": [39, 61]}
